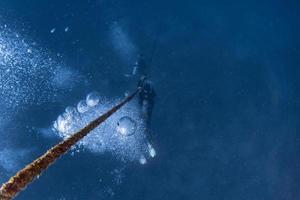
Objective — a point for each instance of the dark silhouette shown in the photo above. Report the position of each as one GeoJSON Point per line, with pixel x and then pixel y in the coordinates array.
{"type": "Point", "coordinates": [147, 94]}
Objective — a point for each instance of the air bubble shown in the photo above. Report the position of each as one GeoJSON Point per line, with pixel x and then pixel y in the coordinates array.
{"type": "Point", "coordinates": [82, 107]}
{"type": "Point", "coordinates": [126, 126]}
{"type": "Point", "coordinates": [143, 160]}
{"type": "Point", "coordinates": [72, 111]}
{"type": "Point", "coordinates": [53, 30]}
{"type": "Point", "coordinates": [152, 151]}
{"type": "Point", "coordinates": [92, 99]}
{"type": "Point", "coordinates": [63, 124]}
{"type": "Point", "coordinates": [67, 29]}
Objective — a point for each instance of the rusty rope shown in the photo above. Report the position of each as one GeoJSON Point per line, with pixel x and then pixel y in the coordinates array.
{"type": "Point", "coordinates": [24, 177]}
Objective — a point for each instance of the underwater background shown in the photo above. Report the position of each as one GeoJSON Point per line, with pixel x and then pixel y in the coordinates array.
{"type": "Point", "coordinates": [227, 111]}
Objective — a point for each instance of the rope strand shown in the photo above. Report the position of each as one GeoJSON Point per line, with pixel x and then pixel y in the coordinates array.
{"type": "Point", "coordinates": [24, 177]}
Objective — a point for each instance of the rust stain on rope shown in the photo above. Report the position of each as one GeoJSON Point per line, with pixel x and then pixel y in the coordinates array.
{"type": "Point", "coordinates": [25, 176]}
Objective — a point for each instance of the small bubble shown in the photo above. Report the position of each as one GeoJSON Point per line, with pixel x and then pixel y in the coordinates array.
{"type": "Point", "coordinates": [71, 110]}
{"type": "Point", "coordinates": [82, 107]}
{"type": "Point", "coordinates": [152, 151]}
{"type": "Point", "coordinates": [53, 30]}
{"type": "Point", "coordinates": [63, 123]}
{"type": "Point", "coordinates": [67, 29]}
{"type": "Point", "coordinates": [143, 160]}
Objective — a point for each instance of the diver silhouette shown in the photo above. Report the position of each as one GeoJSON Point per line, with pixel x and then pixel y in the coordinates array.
{"type": "Point", "coordinates": [147, 93]}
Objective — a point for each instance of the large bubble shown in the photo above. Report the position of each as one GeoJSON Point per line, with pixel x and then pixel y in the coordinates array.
{"type": "Point", "coordinates": [126, 126]}
{"type": "Point", "coordinates": [92, 99]}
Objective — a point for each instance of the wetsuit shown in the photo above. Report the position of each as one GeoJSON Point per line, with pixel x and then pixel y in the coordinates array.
{"type": "Point", "coordinates": [146, 99]}
{"type": "Point", "coordinates": [147, 94]}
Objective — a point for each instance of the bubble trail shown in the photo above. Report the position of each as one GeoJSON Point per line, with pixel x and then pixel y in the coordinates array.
{"type": "Point", "coordinates": [17, 183]}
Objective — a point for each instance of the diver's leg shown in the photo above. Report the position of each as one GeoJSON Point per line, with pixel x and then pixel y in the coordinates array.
{"type": "Point", "coordinates": [146, 112]}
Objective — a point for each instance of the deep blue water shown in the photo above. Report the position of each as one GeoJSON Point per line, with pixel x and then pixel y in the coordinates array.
{"type": "Point", "coordinates": [226, 116]}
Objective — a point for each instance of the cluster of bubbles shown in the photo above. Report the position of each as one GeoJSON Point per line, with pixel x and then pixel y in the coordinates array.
{"type": "Point", "coordinates": [123, 134]}
{"type": "Point", "coordinates": [28, 74]}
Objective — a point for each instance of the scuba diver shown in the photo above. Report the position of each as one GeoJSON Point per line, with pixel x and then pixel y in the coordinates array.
{"type": "Point", "coordinates": [147, 94]}
{"type": "Point", "coordinates": [146, 97]}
